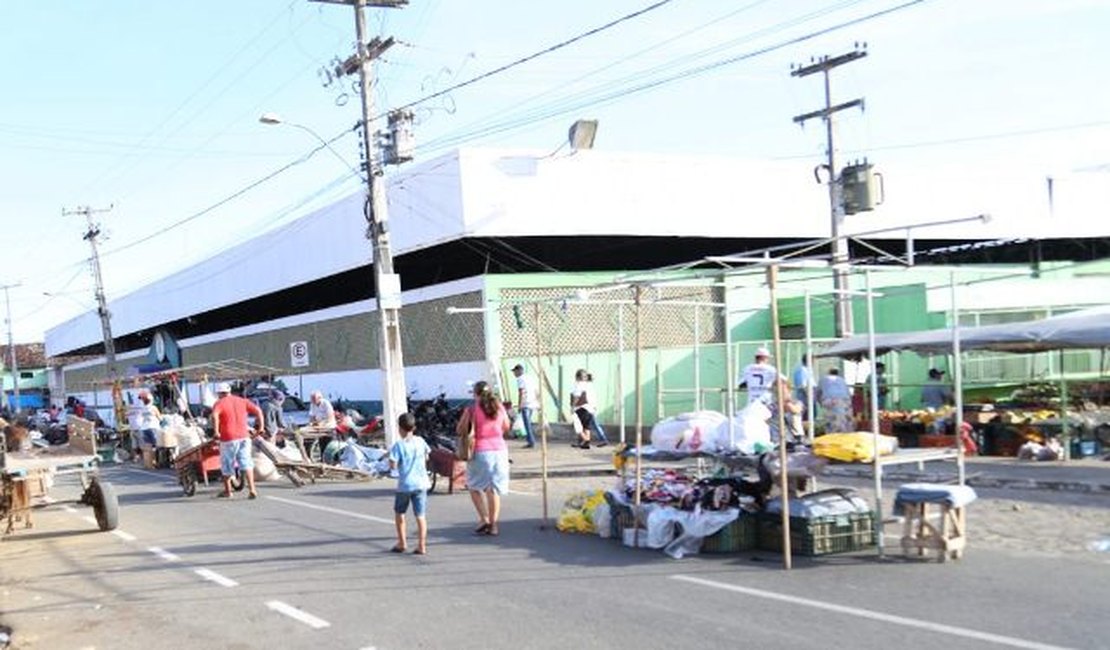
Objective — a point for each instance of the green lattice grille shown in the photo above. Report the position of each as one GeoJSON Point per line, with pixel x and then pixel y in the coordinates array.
{"type": "Point", "coordinates": [431, 335]}
{"type": "Point", "coordinates": [572, 326]}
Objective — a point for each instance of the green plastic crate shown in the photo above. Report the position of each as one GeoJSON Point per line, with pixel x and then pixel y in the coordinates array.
{"type": "Point", "coordinates": [819, 535]}
{"type": "Point", "coordinates": [620, 517]}
{"type": "Point", "coordinates": [739, 535]}
{"type": "Point", "coordinates": [107, 454]}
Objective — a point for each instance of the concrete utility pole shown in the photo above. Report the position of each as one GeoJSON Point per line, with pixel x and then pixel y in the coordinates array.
{"type": "Point", "coordinates": [387, 284]}
{"type": "Point", "coordinates": [11, 348]}
{"type": "Point", "coordinates": [836, 208]}
{"type": "Point", "coordinates": [101, 303]}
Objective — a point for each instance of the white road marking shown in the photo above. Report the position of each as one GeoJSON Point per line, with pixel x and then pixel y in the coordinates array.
{"type": "Point", "coordinates": [148, 472]}
{"type": "Point", "coordinates": [164, 554]}
{"type": "Point", "coordinates": [314, 622]}
{"type": "Point", "coordinates": [91, 520]}
{"type": "Point", "coordinates": [125, 536]}
{"type": "Point", "coordinates": [523, 494]}
{"type": "Point", "coordinates": [209, 574]}
{"type": "Point", "coordinates": [873, 615]}
{"type": "Point", "coordinates": [334, 511]}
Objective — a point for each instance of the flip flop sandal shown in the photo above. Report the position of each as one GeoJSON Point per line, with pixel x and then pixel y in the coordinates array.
{"type": "Point", "coordinates": [397, 549]}
{"type": "Point", "coordinates": [482, 530]}
{"type": "Point", "coordinates": [419, 552]}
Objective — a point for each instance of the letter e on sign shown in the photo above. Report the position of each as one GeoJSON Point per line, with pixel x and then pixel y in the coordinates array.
{"type": "Point", "coordinates": [298, 354]}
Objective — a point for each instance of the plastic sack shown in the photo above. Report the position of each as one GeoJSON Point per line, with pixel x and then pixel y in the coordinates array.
{"type": "Point", "coordinates": [355, 456]}
{"type": "Point", "coordinates": [578, 512]}
{"type": "Point", "coordinates": [264, 468]}
{"type": "Point", "coordinates": [517, 430]}
{"type": "Point", "coordinates": [602, 518]}
{"type": "Point", "coordinates": [751, 434]}
{"type": "Point", "coordinates": [853, 447]}
{"type": "Point", "coordinates": [687, 431]}
{"type": "Point", "coordinates": [681, 532]}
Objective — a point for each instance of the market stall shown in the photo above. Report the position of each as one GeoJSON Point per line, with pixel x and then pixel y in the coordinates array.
{"type": "Point", "coordinates": [1002, 427]}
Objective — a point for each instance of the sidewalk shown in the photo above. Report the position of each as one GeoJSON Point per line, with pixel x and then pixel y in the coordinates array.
{"type": "Point", "coordinates": [1088, 475]}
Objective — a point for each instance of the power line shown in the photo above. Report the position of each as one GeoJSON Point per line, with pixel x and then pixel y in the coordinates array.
{"type": "Point", "coordinates": [973, 138]}
{"type": "Point", "coordinates": [535, 55]}
{"type": "Point", "coordinates": [230, 197]}
{"type": "Point", "coordinates": [621, 93]}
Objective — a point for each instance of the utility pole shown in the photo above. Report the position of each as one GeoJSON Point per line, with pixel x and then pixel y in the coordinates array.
{"type": "Point", "coordinates": [387, 284]}
{"type": "Point", "coordinates": [11, 347]}
{"type": "Point", "coordinates": [843, 316]}
{"type": "Point", "coordinates": [101, 304]}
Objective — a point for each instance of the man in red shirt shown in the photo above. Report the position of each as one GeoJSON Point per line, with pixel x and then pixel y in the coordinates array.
{"type": "Point", "coordinates": [229, 421]}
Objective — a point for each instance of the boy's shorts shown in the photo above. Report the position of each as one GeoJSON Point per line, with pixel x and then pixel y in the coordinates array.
{"type": "Point", "coordinates": [419, 499]}
{"type": "Point", "coordinates": [232, 451]}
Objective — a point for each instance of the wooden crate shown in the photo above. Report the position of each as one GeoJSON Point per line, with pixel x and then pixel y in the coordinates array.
{"type": "Point", "coordinates": [82, 435]}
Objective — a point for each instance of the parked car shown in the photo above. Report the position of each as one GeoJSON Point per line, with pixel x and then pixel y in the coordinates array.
{"type": "Point", "coordinates": [293, 409]}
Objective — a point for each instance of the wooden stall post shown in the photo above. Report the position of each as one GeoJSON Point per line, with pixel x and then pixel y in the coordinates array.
{"type": "Point", "coordinates": [811, 408]}
{"type": "Point", "coordinates": [541, 381]}
{"type": "Point", "coordinates": [639, 415]}
{"type": "Point", "coordinates": [784, 479]}
{"type": "Point", "coordinates": [869, 298]}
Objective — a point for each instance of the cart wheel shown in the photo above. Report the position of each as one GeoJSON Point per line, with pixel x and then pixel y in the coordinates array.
{"type": "Point", "coordinates": [102, 497]}
{"type": "Point", "coordinates": [189, 481]}
{"type": "Point", "coordinates": [237, 482]}
{"type": "Point", "coordinates": [435, 477]}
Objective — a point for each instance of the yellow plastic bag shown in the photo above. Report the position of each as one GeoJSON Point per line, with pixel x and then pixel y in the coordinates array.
{"type": "Point", "coordinates": [578, 511]}
{"type": "Point", "coordinates": [858, 447]}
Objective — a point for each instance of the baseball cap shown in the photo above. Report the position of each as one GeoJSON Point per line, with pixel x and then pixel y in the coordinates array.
{"type": "Point", "coordinates": [518, 367]}
{"type": "Point", "coordinates": [763, 352]}
{"type": "Point", "coordinates": [223, 387]}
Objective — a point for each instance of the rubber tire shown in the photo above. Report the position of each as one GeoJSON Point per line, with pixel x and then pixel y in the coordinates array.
{"type": "Point", "coordinates": [237, 481]}
{"type": "Point", "coordinates": [105, 505]}
{"type": "Point", "coordinates": [433, 476]}
{"type": "Point", "coordinates": [189, 481]}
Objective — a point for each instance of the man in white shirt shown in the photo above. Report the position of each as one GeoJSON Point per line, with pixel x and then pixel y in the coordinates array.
{"type": "Point", "coordinates": [321, 413]}
{"type": "Point", "coordinates": [527, 401]}
{"type": "Point", "coordinates": [759, 378]}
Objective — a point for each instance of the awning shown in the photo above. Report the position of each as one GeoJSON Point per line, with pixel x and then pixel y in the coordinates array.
{"type": "Point", "coordinates": [1088, 328]}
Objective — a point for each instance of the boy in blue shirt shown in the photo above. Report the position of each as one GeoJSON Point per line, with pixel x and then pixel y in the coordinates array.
{"type": "Point", "coordinates": [408, 457]}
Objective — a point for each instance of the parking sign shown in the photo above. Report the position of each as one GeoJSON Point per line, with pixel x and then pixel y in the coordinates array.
{"type": "Point", "coordinates": [298, 354]}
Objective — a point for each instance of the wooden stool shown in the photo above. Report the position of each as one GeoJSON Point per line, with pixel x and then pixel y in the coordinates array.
{"type": "Point", "coordinates": [947, 537]}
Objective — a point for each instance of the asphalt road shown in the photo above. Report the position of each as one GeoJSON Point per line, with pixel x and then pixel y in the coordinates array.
{"type": "Point", "coordinates": [310, 568]}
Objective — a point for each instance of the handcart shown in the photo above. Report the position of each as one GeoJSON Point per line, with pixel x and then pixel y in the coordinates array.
{"type": "Point", "coordinates": [25, 481]}
{"type": "Point", "coordinates": [300, 472]}
{"type": "Point", "coordinates": [197, 463]}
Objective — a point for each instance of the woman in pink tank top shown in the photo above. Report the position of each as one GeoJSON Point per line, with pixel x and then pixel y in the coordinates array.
{"type": "Point", "coordinates": [487, 473]}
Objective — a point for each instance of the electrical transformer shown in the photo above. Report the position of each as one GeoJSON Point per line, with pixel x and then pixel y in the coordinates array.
{"type": "Point", "coordinates": [861, 188]}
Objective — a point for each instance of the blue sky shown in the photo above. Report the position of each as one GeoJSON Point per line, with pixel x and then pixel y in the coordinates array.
{"type": "Point", "coordinates": [153, 107]}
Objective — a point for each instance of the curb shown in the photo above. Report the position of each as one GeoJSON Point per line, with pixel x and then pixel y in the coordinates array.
{"type": "Point", "coordinates": [982, 481]}
{"type": "Point", "coordinates": [973, 480]}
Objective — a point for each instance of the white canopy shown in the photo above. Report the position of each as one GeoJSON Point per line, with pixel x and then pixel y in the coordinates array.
{"type": "Point", "coordinates": [1088, 328]}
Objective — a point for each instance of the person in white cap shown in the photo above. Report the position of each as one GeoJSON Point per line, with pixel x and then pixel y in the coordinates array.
{"type": "Point", "coordinates": [229, 421]}
{"type": "Point", "coordinates": [321, 413]}
{"type": "Point", "coordinates": [759, 378]}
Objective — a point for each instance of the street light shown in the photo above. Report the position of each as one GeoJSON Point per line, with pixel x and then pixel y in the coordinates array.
{"type": "Point", "coordinates": [274, 118]}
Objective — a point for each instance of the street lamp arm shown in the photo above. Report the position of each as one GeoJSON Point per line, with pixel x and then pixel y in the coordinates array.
{"type": "Point", "coordinates": [272, 118]}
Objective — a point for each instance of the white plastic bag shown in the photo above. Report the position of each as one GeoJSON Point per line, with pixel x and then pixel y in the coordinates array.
{"type": "Point", "coordinates": [750, 432]}
{"type": "Point", "coordinates": [687, 431]}
{"type": "Point", "coordinates": [264, 469]}
{"type": "Point", "coordinates": [602, 519]}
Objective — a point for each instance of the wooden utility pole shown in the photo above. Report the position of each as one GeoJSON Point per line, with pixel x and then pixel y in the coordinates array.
{"type": "Point", "coordinates": [836, 208]}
